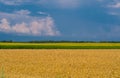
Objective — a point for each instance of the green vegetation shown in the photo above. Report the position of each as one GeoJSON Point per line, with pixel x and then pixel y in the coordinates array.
{"type": "Point", "coordinates": [59, 45]}
{"type": "Point", "coordinates": [2, 73]}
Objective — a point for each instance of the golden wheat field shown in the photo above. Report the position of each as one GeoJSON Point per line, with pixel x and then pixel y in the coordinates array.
{"type": "Point", "coordinates": [60, 63]}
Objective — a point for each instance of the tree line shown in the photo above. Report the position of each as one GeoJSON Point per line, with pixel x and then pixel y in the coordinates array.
{"type": "Point", "coordinates": [62, 41]}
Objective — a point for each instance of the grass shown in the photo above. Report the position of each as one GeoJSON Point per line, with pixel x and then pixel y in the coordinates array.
{"type": "Point", "coordinates": [61, 63]}
{"type": "Point", "coordinates": [59, 45]}
{"type": "Point", "coordinates": [2, 74]}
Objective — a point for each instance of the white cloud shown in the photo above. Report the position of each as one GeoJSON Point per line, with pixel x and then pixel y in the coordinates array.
{"type": "Point", "coordinates": [23, 12]}
{"type": "Point", "coordinates": [9, 2]}
{"type": "Point", "coordinates": [14, 2]}
{"type": "Point", "coordinates": [28, 25]}
{"type": "Point", "coordinates": [115, 5]}
{"type": "Point", "coordinates": [110, 3]}
{"type": "Point", "coordinates": [54, 3]}
{"type": "Point", "coordinates": [114, 13]}
{"type": "Point", "coordinates": [4, 25]}
{"type": "Point", "coordinates": [64, 3]}
{"type": "Point", "coordinates": [21, 28]}
{"type": "Point", "coordinates": [43, 13]}
{"type": "Point", "coordinates": [112, 6]}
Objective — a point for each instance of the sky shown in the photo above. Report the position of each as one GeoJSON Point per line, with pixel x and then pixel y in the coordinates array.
{"type": "Point", "coordinates": [81, 20]}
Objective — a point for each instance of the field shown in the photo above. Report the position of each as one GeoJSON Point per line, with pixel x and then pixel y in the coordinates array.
{"type": "Point", "coordinates": [60, 63]}
{"type": "Point", "coordinates": [59, 45]}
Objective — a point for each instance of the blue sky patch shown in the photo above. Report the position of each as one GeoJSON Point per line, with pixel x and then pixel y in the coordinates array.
{"type": "Point", "coordinates": [26, 20]}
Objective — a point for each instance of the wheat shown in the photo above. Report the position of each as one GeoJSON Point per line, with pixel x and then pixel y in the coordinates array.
{"type": "Point", "coordinates": [60, 63]}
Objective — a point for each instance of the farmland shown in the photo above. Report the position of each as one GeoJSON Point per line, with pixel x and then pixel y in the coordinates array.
{"type": "Point", "coordinates": [59, 45]}
{"type": "Point", "coordinates": [60, 63]}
